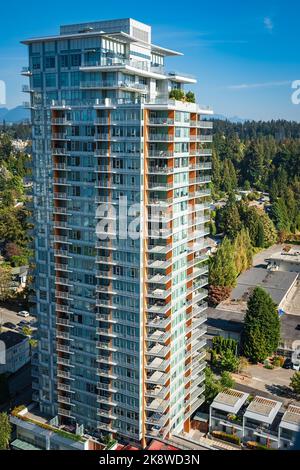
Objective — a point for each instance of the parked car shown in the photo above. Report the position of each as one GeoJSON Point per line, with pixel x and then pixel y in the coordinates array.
{"type": "Point", "coordinates": [288, 364]}
{"type": "Point", "coordinates": [24, 314]}
{"type": "Point", "coordinates": [9, 325]}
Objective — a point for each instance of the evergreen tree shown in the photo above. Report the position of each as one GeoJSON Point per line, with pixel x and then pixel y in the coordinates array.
{"type": "Point", "coordinates": [260, 240]}
{"type": "Point", "coordinates": [222, 267]}
{"type": "Point", "coordinates": [253, 164]}
{"type": "Point", "coordinates": [261, 328]}
{"type": "Point", "coordinates": [228, 218]}
{"type": "Point", "coordinates": [5, 431]}
{"type": "Point", "coordinates": [270, 234]}
{"type": "Point", "coordinates": [243, 251]}
{"type": "Point", "coordinates": [295, 383]}
{"type": "Point", "coordinates": [279, 215]}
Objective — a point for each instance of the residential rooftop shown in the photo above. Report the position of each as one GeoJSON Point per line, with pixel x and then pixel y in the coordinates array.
{"type": "Point", "coordinates": [276, 283]}
{"type": "Point", "coordinates": [126, 30]}
{"type": "Point", "coordinates": [291, 418]}
{"type": "Point", "coordinates": [230, 400]}
{"type": "Point", "coordinates": [225, 319]}
{"type": "Point", "coordinates": [11, 338]}
{"type": "Point", "coordinates": [262, 409]}
{"type": "Point", "coordinates": [291, 256]}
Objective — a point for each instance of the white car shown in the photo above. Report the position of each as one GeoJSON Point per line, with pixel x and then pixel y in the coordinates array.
{"type": "Point", "coordinates": [296, 366]}
{"type": "Point", "coordinates": [24, 314]}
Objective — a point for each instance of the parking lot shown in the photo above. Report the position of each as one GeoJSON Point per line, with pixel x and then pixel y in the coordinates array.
{"type": "Point", "coordinates": [11, 320]}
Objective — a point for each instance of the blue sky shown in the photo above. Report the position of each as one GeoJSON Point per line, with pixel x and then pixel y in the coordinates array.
{"type": "Point", "coordinates": [245, 54]}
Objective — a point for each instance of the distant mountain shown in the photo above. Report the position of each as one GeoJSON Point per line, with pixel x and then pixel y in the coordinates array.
{"type": "Point", "coordinates": [13, 115]}
{"type": "Point", "coordinates": [3, 111]}
{"type": "Point", "coordinates": [234, 119]}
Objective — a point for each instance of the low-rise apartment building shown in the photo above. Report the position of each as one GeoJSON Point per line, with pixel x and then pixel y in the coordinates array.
{"type": "Point", "coordinates": [34, 431]}
{"type": "Point", "coordinates": [259, 421]}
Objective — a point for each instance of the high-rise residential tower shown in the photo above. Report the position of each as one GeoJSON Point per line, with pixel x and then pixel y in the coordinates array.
{"type": "Point", "coordinates": [121, 205]}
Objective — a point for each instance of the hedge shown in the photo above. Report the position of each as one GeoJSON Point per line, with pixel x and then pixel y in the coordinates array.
{"type": "Point", "coordinates": [233, 438]}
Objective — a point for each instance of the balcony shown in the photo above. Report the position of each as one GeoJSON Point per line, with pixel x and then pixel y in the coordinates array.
{"type": "Point", "coordinates": [105, 346]}
{"type": "Point", "coordinates": [157, 378]}
{"type": "Point", "coordinates": [26, 71]}
{"type": "Point", "coordinates": [158, 322]}
{"type": "Point", "coordinates": [158, 336]}
{"type": "Point", "coordinates": [141, 67]}
{"type": "Point", "coordinates": [161, 137]}
{"type": "Point", "coordinates": [62, 321]}
{"type": "Point", "coordinates": [161, 121]}
{"type": "Point", "coordinates": [157, 419]}
{"type": "Point", "coordinates": [63, 412]}
{"type": "Point", "coordinates": [157, 405]}
{"type": "Point", "coordinates": [62, 121]}
{"type": "Point", "coordinates": [205, 124]}
{"type": "Point", "coordinates": [160, 154]}
{"type": "Point", "coordinates": [107, 374]}
{"type": "Point", "coordinates": [107, 387]}
{"type": "Point", "coordinates": [106, 414]}
{"type": "Point", "coordinates": [62, 399]}
{"type": "Point", "coordinates": [63, 374]}
{"type": "Point", "coordinates": [128, 86]}
{"type": "Point", "coordinates": [156, 391]}
{"type": "Point", "coordinates": [106, 427]}
{"type": "Point", "coordinates": [158, 365]}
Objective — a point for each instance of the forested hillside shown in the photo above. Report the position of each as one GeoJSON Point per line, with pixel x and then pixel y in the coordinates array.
{"type": "Point", "coordinates": [263, 156]}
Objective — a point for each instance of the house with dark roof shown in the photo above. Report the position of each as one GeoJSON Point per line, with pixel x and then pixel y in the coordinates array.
{"type": "Point", "coordinates": [14, 351]}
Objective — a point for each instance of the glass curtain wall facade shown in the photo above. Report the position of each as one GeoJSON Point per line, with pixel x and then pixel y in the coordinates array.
{"type": "Point", "coordinates": [120, 305]}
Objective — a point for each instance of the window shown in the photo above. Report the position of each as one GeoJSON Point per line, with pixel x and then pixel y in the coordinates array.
{"type": "Point", "coordinates": [64, 79]}
{"type": "Point", "coordinates": [36, 47]}
{"type": "Point", "coordinates": [36, 62]}
{"type": "Point", "coordinates": [64, 61]}
{"type": "Point", "coordinates": [50, 46]}
{"type": "Point", "coordinates": [75, 78]}
{"type": "Point", "coordinates": [75, 60]}
{"type": "Point", "coordinates": [51, 80]}
{"type": "Point", "coordinates": [37, 80]}
{"type": "Point", "coordinates": [50, 62]}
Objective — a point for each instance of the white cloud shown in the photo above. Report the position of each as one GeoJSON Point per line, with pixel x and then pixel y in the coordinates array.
{"type": "Point", "coordinates": [246, 86]}
{"type": "Point", "coordinates": [268, 23]}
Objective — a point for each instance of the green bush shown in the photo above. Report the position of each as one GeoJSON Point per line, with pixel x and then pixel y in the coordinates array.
{"type": "Point", "coordinates": [278, 361]}
{"type": "Point", "coordinates": [233, 438]}
{"type": "Point", "coordinates": [177, 94]}
{"type": "Point", "coordinates": [256, 446]}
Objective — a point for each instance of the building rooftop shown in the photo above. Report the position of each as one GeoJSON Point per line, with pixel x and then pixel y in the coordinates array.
{"type": "Point", "coordinates": [225, 319]}
{"type": "Point", "coordinates": [291, 256]}
{"type": "Point", "coordinates": [291, 418]}
{"type": "Point", "coordinates": [276, 283]}
{"type": "Point", "coordinates": [262, 409]}
{"type": "Point", "coordinates": [11, 338]}
{"type": "Point", "coordinates": [125, 30]}
{"type": "Point", "coordinates": [230, 400]}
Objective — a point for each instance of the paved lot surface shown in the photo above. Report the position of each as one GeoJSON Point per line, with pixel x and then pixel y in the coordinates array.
{"type": "Point", "coordinates": [257, 379]}
{"type": "Point", "coordinates": [11, 316]}
{"type": "Point", "coordinates": [276, 376]}
{"type": "Point", "coordinates": [259, 258]}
